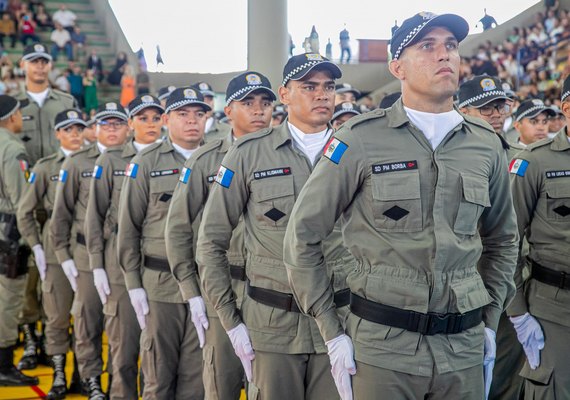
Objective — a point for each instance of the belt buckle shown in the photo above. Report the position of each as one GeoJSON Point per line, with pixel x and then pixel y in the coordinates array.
{"type": "Point", "coordinates": [434, 323]}
{"type": "Point", "coordinates": [562, 284]}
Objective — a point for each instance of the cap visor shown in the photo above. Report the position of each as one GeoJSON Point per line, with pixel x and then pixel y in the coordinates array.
{"type": "Point", "coordinates": [339, 113]}
{"type": "Point", "coordinates": [332, 67]}
{"type": "Point", "coordinates": [456, 24]}
{"type": "Point", "coordinates": [487, 100]}
{"type": "Point", "coordinates": [180, 104]}
{"type": "Point", "coordinates": [255, 89]}
{"type": "Point", "coordinates": [71, 122]}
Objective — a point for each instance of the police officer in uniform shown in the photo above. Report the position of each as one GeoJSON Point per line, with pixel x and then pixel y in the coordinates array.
{"type": "Point", "coordinates": [171, 356]}
{"type": "Point", "coordinates": [57, 294]}
{"type": "Point", "coordinates": [164, 93]}
{"type": "Point", "coordinates": [13, 258]}
{"type": "Point", "coordinates": [532, 120]}
{"type": "Point", "coordinates": [68, 234]}
{"type": "Point", "coordinates": [344, 92]}
{"type": "Point", "coordinates": [214, 128]}
{"type": "Point", "coordinates": [101, 226]}
{"type": "Point", "coordinates": [426, 209]}
{"type": "Point", "coordinates": [342, 113]}
{"type": "Point", "coordinates": [249, 101]}
{"type": "Point", "coordinates": [259, 180]}
{"type": "Point", "coordinates": [540, 312]}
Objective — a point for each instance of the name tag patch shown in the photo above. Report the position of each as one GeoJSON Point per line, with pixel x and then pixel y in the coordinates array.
{"type": "Point", "coordinates": [269, 173]}
{"type": "Point", "coordinates": [54, 178]}
{"type": "Point", "coordinates": [557, 174]}
{"type": "Point", "coordinates": [119, 172]}
{"type": "Point", "coordinates": [87, 174]}
{"type": "Point", "coordinates": [164, 172]}
{"type": "Point", "coordinates": [395, 166]}
{"type": "Point", "coordinates": [211, 178]}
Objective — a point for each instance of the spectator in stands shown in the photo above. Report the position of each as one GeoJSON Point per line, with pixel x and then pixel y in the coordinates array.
{"type": "Point", "coordinates": [3, 5]}
{"type": "Point", "coordinates": [95, 63]}
{"type": "Point", "coordinates": [28, 29]}
{"type": "Point", "coordinates": [7, 29]}
{"type": "Point", "coordinates": [42, 17]}
{"type": "Point", "coordinates": [128, 86]}
{"type": "Point", "coordinates": [78, 41]}
{"type": "Point", "coordinates": [65, 17]}
{"type": "Point", "coordinates": [76, 85]}
{"type": "Point", "coordinates": [11, 82]}
{"type": "Point", "coordinates": [90, 91]}
{"type": "Point", "coordinates": [116, 74]}
{"type": "Point", "coordinates": [62, 81]}
{"type": "Point", "coordinates": [61, 40]}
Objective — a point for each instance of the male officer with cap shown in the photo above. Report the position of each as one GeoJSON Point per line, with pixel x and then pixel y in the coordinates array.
{"type": "Point", "coordinates": [101, 226]}
{"type": "Point", "coordinates": [540, 312]}
{"type": "Point", "coordinates": [344, 92]}
{"type": "Point", "coordinates": [532, 120]}
{"type": "Point", "coordinates": [557, 122]}
{"type": "Point", "coordinates": [214, 129]}
{"type": "Point", "coordinates": [342, 113]}
{"type": "Point", "coordinates": [423, 195]}
{"type": "Point", "coordinates": [259, 180]}
{"type": "Point", "coordinates": [68, 233]}
{"type": "Point", "coordinates": [56, 290]}
{"type": "Point", "coordinates": [13, 260]}
{"type": "Point", "coordinates": [278, 115]}
{"type": "Point", "coordinates": [164, 93]}
{"type": "Point", "coordinates": [171, 355]}
{"type": "Point", "coordinates": [249, 101]}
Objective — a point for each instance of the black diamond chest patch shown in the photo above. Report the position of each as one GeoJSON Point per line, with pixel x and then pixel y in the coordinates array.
{"type": "Point", "coordinates": [396, 213]}
{"type": "Point", "coordinates": [165, 197]}
{"type": "Point", "coordinates": [274, 214]}
{"type": "Point", "coordinates": [562, 210]}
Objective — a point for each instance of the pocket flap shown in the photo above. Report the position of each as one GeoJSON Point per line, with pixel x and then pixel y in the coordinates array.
{"type": "Point", "coordinates": [47, 286]}
{"type": "Point", "coordinates": [110, 309]}
{"type": "Point", "coordinates": [208, 354]}
{"type": "Point", "coordinates": [470, 294]}
{"type": "Point", "coordinates": [280, 187]}
{"type": "Point", "coordinates": [76, 308]}
{"type": "Point", "coordinates": [540, 376]}
{"type": "Point", "coordinates": [558, 191]}
{"type": "Point", "coordinates": [476, 190]}
{"type": "Point", "coordinates": [401, 185]}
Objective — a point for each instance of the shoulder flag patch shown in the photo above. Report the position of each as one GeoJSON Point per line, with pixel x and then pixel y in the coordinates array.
{"type": "Point", "coordinates": [185, 175]}
{"type": "Point", "coordinates": [62, 175]}
{"type": "Point", "coordinates": [224, 176]}
{"type": "Point", "coordinates": [132, 170]}
{"type": "Point", "coordinates": [97, 172]}
{"type": "Point", "coordinates": [518, 166]}
{"type": "Point", "coordinates": [335, 149]}
{"type": "Point", "coordinates": [32, 177]}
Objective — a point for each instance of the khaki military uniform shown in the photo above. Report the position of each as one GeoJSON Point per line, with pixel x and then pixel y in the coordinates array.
{"type": "Point", "coordinates": [68, 234]}
{"type": "Point", "coordinates": [541, 196]}
{"type": "Point", "coordinates": [57, 295]}
{"type": "Point", "coordinates": [222, 370]}
{"type": "Point", "coordinates": [171, 356]}
{"type": "Point", "coordinates": [12, 184]}
{"type": "Point", "coordinates": [101, 225]}
{"type": "Point", "coordinates": [267, 174]}
{"type": "Point", "coordinates": [431, 230]}
{"type": "Point", "coordinates": [514, 148]}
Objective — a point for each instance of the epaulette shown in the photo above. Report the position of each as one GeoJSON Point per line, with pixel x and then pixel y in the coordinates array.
{"type": "Point", "coordinates": [115, 149]}
{"type": "Point", "coordinates": [151, 147]}
{"type": "Point", "coordinates": [46, 158]}
{"type": "Point", "coordinates": [358, 119]}
{"type": "Point", "coordinates": [63, 94]}
{"type": "Point", "coordinates": [539, 144]}
{"type": "Point", "coordinates": [479, 122]}
{"type": "Point", "coordinates": [252, 136]}
{"type": "Point", "coordinates": [206, 148]}
{"type": "Point", "coordinates": [82, 150]}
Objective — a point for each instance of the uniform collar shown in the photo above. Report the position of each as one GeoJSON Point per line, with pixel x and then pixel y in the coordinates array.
{"type": "Point", "coordinates": [283, 134]}
{"type": "Point", "coordinates": [227, 142]}
{"type": "Point", "coordinates": [560, 141]}
{"type": "Point", "coordinates": [397, 115]}
{"type": "Point", "coordinates": [93, 150]}
{"type": "Point", "coordinates": [129, 149]}
{"type": "Point", "coordinates": [51, 94]}
{"type": "Point", "coordinates": [60, 154]}
{"type": "Point", "coordinates": [9, 134]}
{"type": "Point", "coordinates": [504, 142]}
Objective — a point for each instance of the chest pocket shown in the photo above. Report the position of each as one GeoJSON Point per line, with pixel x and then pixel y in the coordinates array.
{"type": "Point", "coordinates": [474, 199]}
{"type": "Point", "coordinates": [161, 189]}
{"type": "Point", "coordinates": [272, 202]}
{"type": "Point", "coordinates": [558, 201]}
{"type": "Point", "coordinates": [396, 201]}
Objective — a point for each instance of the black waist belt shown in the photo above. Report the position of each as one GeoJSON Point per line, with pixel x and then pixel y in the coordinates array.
{"type": "Point", "coordinates": [156, 264]}
{"type": "Point", "coordinates": [285, 301]}
{"type": "Point", "coordinates": [80, 238]}
{"type": "Point", "coordinates": [426, 324]}
{"type": "Point", "coordinates": [49, 213]}
{"type": "Point", "coordinates": [237, 272]}
{"type": "Point", "coordinates": [116, 228]}
{"type": "Point", "coordinates": [550, 277]}
{"type": "Point", "coordinates": [5, 217]}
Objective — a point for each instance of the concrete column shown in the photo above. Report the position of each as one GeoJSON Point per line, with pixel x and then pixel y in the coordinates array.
{"type": "Point", "coordinates": [267, 38]}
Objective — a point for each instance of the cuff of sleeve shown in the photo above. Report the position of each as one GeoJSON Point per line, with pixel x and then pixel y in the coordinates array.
{"type": "Point", "coordinates": [96, 261]}
{"type": "Point", "coordinates": [518, 306]}
{"type": "Point", "coordinates": [491, 316]}
{"type": "Point", "coordinates": [133, 280]}
{"type": "Point", "coordinates": [63, 254]}
{"type": "Point", "coordinates": [229, 316]}
{"type": "Point", "coordinates": [329, 325]}
{"type": "Point", "coordinates": [32, 241]}
{"type": "Point", "coordinates": [189, 288]}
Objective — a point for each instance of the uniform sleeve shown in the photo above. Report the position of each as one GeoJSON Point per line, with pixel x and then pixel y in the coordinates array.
{"type": "Point", "coordinates": [132, 211]}
{"type": "Point", "coordinates": [32, 199]}
{"type": "Point", "coordinates": [329, 190]}
{"type": "Point", "coordinates": [525, 190]}
{"type": "Point", "coordinates": [187, 201]}
{"type": "Point", "coordinates": [15, 170]}
{"type": "Point", "coordinates": [499, 239]}
{"type": "Point", "coordinates": [66, 194]}
{"type": "Point", "coordinates": [223, 208]}
{"type": "Point", "coordinates": [97, 206]}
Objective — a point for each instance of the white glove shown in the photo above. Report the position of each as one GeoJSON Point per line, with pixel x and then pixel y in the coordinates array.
{"type": "Point", "coordinates": [239, 336]}
{"type": "Point", "coordinates": [490, 351]}
{"type": "Point", "coordinates": [140, 304]}
{"type": "Point", "coordinates": [199, 318]}
{"type": "Point", "coordinates": [70, 271]}
{"type": "Point", "coordinates": [341, 354]}
{"type": "Point", "coordinates": [101, 284]}
{"type": "Point", "coordinates": [530, 336]}
{"type": "Point", "coordinates": [40, 258]}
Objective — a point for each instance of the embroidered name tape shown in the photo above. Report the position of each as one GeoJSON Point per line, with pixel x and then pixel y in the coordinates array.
{"type": "Point", "coordinates": [87, 174]}
{"type": "Point", "coordinates": [518, 167]}
{"type": "Point", "coordinates": [164, 172]}
{"type": "Point", "coordinates": [225, 176]}
{"type": "Point", "coordinates": [185, 175]}
{"type": "Point", "coordinates": [395, 166]}
{"type": "Point", "coordinates": [270, 173]}
{"type": "Point", "coordinates": [132, 170]}
{"type": "Point", "coordinates": [552, 174]}
{"type": "Point", "coordinates": [54, 178]}
{"type": "Point", "coordinates": [335, 150]}
{"type": "Point", "coordinates": [211, 178]}
{"type": "Point", "coordinates": [119, 172]}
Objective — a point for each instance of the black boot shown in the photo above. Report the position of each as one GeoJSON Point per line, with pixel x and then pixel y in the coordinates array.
{"type": "Point", "coordinates": [9, 374]}
{"type": "Point", "coordinates": [29, 359]}
{"type": "Point", "coordinates": [95, 390]}
{"type": "Point", "coordinates": [43, 358]}
{"type": "Point", "coordinates": [59, 385]}
{"type": "Point", "coordinates": [78, 385]}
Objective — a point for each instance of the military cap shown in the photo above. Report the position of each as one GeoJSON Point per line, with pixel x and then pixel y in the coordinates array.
{"type": "Point", "coordinates": [300, 65]}
{"type": "Point", "coordinates": [531, 108]}
{"type": "Point", "coordinates": [556, 109]}
{"type": "Point", "coordinates": [509, 91]}
{"type": "Point", "coordinates": [69, 117]}
{"type": "Point", "coordinates": [479, 91]}
{"type": "Point", "coordinates": [35, 51]}
{"type": "Point", "coordinates": [9, 105]}
{"type": "Point", "coordinates": [242, 85]}
{"type": "Point", "coordinates": [278, 110]}
{"type": "Point", "coordinates": [389, 100]}
{"type": "Point", "coordinates": [411, 28]}
{"type": "Point", "coordinates": [142, 102]}
{"type": "Point", "coordinates": [346, 88]}
{"type": "Point", "coordinates": [565, 89]}
{"type": "Point", "coordinates": [186, 96]}
{"type": "Point", "coordinates": [205, 88]}
{"type": "Point", "coordinates": [345, 108]}
{"type": "Point", "coordinates": [164, 92]}
{"type": "Point", "coordinates": [111, 110]}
